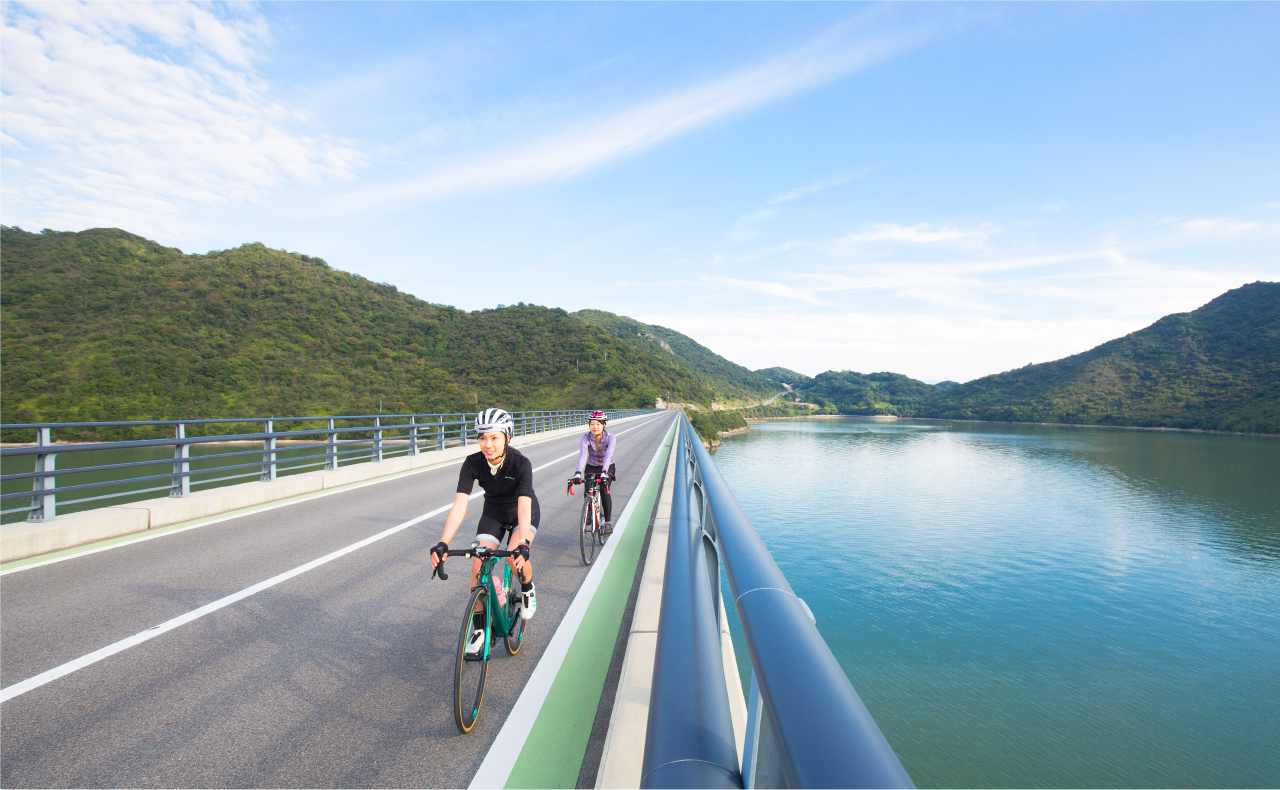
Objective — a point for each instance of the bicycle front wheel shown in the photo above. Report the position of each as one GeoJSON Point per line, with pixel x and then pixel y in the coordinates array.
{"type": "Point", "coordinates": [589, 526]}
{"type": "Point", "coordinates": [471, 670]}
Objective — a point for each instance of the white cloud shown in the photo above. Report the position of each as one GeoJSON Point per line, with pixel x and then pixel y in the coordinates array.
{"type": "Point", "coordinates": [1223, 228]}
{"type": "Point", "coordinates": [921, 234]}
{"type": "Point", "coordinates": [819, 186]}
{"type": "Point", "coordinates": [1057, 205]}
{"type": "Point", "coordinates": [769, 289]}
{"type": "Point", "coordinates": [133, 113]}
{"type": "Point", "coordinates": [744, 228]}
{"type": "Point", "coordinates": [592, 143]}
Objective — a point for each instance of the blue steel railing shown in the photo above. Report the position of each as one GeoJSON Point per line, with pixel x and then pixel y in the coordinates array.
{"type": "Point", "coordinates": [385, 436]}
{"type": "Point", "coordinates": [806, 726]}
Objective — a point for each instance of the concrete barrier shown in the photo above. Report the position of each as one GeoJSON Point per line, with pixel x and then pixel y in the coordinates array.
{"type": "Point", "coordinates": [27, 539]}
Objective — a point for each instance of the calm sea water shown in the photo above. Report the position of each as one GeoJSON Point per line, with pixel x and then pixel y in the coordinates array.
{"type": "Point", "coordinates": [1026, 606]}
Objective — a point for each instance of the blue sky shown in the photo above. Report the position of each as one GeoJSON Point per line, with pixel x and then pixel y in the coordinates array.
{"type": "Point", "coordinates": [941, 190]}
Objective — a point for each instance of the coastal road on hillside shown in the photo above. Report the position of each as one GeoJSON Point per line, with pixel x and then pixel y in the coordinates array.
{"type": "Point", "coordinates": [337, 677]}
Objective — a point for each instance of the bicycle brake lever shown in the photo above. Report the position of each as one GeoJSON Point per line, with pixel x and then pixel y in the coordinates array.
{"type": "Point", "coordinates": [439, 571]}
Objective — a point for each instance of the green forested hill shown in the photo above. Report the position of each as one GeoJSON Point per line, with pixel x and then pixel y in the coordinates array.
{"type": "Point", "coordinates": [785, 375]}
{"type": "Point", "coordinates": [729, 381]}
{"type": "Point", "coordinates": [1216, 368]}
{"type": "Point", "coordinates": [105, 325]}
{"type": "Point", "coordinates": [846, 392]}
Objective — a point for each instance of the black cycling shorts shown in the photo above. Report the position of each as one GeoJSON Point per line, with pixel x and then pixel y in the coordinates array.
{"type": "Point", "coordinates": [495, 527]}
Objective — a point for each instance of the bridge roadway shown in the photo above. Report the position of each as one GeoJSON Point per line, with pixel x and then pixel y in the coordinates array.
{"type": "Point", "coordinates": [336, 677]}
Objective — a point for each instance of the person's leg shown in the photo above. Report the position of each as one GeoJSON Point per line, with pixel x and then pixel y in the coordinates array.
{"type": "Point", "coordinates": [606, 499]}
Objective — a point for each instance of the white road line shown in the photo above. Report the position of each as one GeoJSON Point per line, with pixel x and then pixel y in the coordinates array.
{"type": "Point", "coordinates": [156, 630]}
{"type": "Point", "coordinates": [163, 533]}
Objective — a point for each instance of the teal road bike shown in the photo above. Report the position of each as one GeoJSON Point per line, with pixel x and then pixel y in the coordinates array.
{"type": "Point", "coordinates": [503, 620]}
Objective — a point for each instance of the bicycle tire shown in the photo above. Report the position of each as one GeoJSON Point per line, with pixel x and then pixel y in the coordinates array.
{"type": "Point", "coordinates": [515, 637]}
{"type": "Point", "coordinates": [587, 531]}
{"type": "Point", "coordinates": [469, 675]}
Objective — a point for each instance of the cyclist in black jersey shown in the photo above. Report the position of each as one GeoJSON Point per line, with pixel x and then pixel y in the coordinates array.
{"type": "Point", "coordinates": [510, 505]}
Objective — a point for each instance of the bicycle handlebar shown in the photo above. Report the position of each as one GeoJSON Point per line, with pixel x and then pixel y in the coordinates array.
{"type": "Point", "coordinates": [474, 551]}
{"type": "Point", "coordinates": [592, 476]}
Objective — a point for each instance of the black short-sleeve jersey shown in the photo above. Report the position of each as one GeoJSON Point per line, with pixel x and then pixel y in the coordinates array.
{"type": "Point", "coordinates": [513, 480]}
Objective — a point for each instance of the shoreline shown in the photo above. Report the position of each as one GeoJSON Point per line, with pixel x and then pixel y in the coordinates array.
{"type": "Point", "coordinates": [893, 418]}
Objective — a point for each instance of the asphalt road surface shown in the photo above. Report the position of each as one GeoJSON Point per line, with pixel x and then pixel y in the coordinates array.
{"type": "Point", "coordinates": [337, 677]}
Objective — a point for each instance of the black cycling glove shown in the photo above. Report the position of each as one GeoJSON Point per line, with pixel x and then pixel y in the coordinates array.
{"type": "Point", "coordinates": [441, 548]}
{"type": "Point", "coordinates": [521, 551]}
{"type": "Point", "coordinates": [577, 478]}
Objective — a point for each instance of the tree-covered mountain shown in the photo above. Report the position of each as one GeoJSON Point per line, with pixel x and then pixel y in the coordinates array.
{"type": "Point", "coordinates": [106, 325]}
{"type": "Point", "coordinates": [847, 392]}
{"type": "Point", "coordinates": [729, 381]}
{"type": "Point", "coordinates": [785, 376]}
{"type": "Point", "coordinates": [1215, 368]}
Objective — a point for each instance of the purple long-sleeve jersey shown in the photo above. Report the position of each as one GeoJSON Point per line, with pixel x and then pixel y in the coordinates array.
{"type": "Point", "coordinates": [597, 453]}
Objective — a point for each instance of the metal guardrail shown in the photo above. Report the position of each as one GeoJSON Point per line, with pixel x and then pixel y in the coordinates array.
{"type": "Point", "coordinates": [386, 436]}
{"type": "Point", "coordinates": [806, 726]}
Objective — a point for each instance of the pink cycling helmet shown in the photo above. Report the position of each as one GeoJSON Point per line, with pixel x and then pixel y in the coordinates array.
{"type": "Point", "coordinates": [599, 415]}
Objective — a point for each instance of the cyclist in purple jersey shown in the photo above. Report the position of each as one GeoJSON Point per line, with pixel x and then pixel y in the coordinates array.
{"type": "Point", "coordinates": [595, 456]}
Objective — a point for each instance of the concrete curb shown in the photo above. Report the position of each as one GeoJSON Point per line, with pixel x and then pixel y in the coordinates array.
{"type": "Point", "coordinates": [27, 539]}
{"type": "Point", "coordinates": [623, 759]}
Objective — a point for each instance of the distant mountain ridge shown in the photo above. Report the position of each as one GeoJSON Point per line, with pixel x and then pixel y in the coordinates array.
{"type": "Point", "coordinates": [785, 376]}
{"type": "Point", "coordinates": [105, 325]}
{"type": "Point", "coordinates": [1215, 368]}
{"type": "Point", "coordinates": [728, 380]}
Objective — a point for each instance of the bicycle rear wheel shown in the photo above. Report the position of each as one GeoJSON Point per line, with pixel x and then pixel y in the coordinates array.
{"type": "Point", "coordinates": [471, 671]}
{"type": "Point", "coordinates": [516, 635]}
{"type": "Point", "coordinates": [588, 528]}
{"type": "Point", "coordinates": [600, 536]}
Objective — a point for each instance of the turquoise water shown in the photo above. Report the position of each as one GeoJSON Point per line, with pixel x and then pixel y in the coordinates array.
{"type": "Point", "coordinates": [1024, 606]}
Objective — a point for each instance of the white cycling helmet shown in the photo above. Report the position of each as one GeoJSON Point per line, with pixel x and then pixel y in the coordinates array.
{"type": "Point", "coordinates": [495, 420]}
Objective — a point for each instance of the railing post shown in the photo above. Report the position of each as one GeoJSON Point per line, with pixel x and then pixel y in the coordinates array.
{"type": "Point", "coordinates": [462, 430]}
{"type": "Point", "coordinates": [44, 507]}
{"type": "Point", "coordinates": [269, 455]}
{"type": "Point", "coordinates": [440, 432]}
{"type": "Point", "coordinates": [181, 464]}
{"type": "Point", "coordinates": [331, 448]}
{"type": "Point", "coordinates": [376, 455]}
{"type": "Point", "coordinates": [413, 434]}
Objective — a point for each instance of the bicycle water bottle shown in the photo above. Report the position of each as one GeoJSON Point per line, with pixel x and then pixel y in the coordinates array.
{"type": "Point", "coordinates": [500, 586]}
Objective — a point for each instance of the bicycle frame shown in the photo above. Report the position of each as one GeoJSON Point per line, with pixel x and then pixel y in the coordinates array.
{"type": "Point", "coordinates": [497, 615]}
{"type": "Point", "coordinates": [501, 624]}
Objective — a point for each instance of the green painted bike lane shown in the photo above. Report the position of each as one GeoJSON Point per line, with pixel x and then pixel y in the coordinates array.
{"type": "Point", "coordinates": [556, 745]}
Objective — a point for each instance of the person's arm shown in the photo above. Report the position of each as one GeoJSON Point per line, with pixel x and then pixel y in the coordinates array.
{"type": "Point", "coordinates": [608, 453]}
{"type": "Point", "coordinates": [454, 520]}
{"type": "Point", "coordinates": [582, 455]}
{"type": "Point", "coordinates": [524, 520]}
{"type": "Point", "coordinates": [466, 482]}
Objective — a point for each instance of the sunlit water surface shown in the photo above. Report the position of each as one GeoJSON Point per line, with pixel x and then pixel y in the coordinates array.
{"type": "Point", "coordinates": [1024, 606]}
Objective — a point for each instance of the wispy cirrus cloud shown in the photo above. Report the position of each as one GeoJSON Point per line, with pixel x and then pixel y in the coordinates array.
{"type": "Point", "coordinates": [745, 228]}
{"type": "Point", "coordinates": [1224, 228]}
{"type": "Point", "coordinates": [921, 234]}
{"type": "Point", "coordinates": [590, 143]}
{"type": "Point", "coordinates": [781, 290]}
{"type": "Point", "coordinates": [132, 113]}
